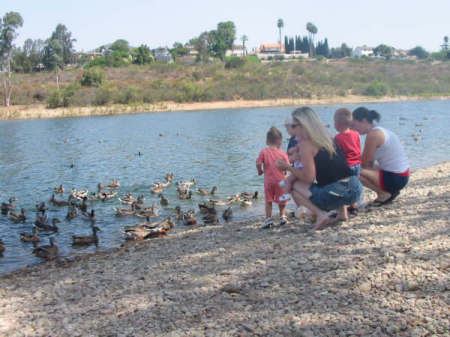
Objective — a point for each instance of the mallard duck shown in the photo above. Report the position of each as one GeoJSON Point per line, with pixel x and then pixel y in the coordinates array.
{"type": "Point", "coordinates": [139, 234]}
{"type": "Point", "coordinates": [79, 194]}
{"type": "Point", "coordinates": [18, 217]}
{"type": "Point", "coordinates": [126, 211]}
{"type": "Point", "coordinates": [89, 215]}
{"type": "Point", "coordinates": [41, 220]}
{"type": "Point", "coordinates": [139, 204]}
{"type": "Point", "coordinates": [41, 207]}
{"type": "Point", "coordinates": [167, 223]}
{"type": "Point", "coordinates": [248, 196]}
{"type": "Point", "coordinates": [169, 177]}
{"type": "Point", "coordinates": [128, 199]}
{"type": "Point", "coordinates": [220, 202]}
{"type": "Point", "coordinates": [47, 227]}
{"type": "Point", "coordinates": [185, 195]}
{"type": "Point", "coordinates": [246, 203]}
{"type": "Point", "coordinates": [227, 214]}
{"type": "Point", "coordinates": [82, 240]}
{"type": "Point", "coordinates": [186, 183]}
{"type": "Point", "coordinates": [59, 203]}
{"type": "Point", "coordinates": [59, 189]}
{"type": "Point", "coordinates": [114, 184]}
{"type": "Point", "coordinates": [207, 207]}
{"type": "Point", "coordinates": [83, 206]}
{"type": "Point", "coordinates": [103, 196]}
{"type": "Point", "coordinates": [6, 207]}
{"type": "Point", "coordinates": [151, 212]}
{"type": "Point", "coordinates": [210, 218]}
{"type": "Point", "coordinates": [47, 251]}
{"type": "Point", "coordinates": [163, 201]}
{"type": "Point", "coordinates": [206, 192]}
{"type": "Point", "coordinates": [157, 189]}
{"type": "Point", "coordinates": [2, 247]}
{"type": "Point", "coordinates": [28, 237]}
{"type": "Point", "coordinates": [72, 213]}
{"type": "Point", "coordinates": [189, 219]}
{"type": "Point", "coordinates": [179, 215]}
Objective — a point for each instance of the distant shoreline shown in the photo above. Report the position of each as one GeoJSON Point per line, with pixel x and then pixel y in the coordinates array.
{"type": "Point", "coordinates": [19, 112]}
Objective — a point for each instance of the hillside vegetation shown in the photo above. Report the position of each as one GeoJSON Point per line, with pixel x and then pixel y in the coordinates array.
{"type": "Point", "coordinates": [159, 82]}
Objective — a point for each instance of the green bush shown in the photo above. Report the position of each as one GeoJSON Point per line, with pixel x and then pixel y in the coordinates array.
{"type": "Point", "coordinates": [130, 96]}
{"type": "Point", "coordinates": [298, 70]}
{"type": "Point", "coordinates": [93, 77]}
{"type": "Point", "coordinates": [68, 93]}
{"type": "Point", "coordinates": [252, 59]}
{"type": "Point", "coordinates": [279, 57]}
{"type": "Point", "coordinates": [103, 96]}
{"type": "Point", "coordinates": [376, 89]}
{"type": "Point", "coordinates": [234, 62]}
{"type": "Point", "coordinates": [54, 100]}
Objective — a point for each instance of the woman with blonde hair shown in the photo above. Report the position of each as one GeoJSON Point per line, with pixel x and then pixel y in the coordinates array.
{"type": "Point", "coordinates": [326, 182]}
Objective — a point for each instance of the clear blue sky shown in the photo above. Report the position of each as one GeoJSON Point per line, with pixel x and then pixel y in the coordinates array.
{"type": "Point", "coordinates": [401, 23]}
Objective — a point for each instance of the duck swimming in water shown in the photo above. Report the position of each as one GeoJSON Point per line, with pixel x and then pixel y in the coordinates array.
{"type": "Point", "coordinates": [18, 217]}
{"type": "Point", "coordinates": [84, 240]}
{"type": "Point", "coordinates": [59, 189]}
{"type": "Point", "coordinates": [27, 237]}
{"type": "Point", "coordinates": [206, 192]}
{"type": "Point", "coordinates": [47, 251]}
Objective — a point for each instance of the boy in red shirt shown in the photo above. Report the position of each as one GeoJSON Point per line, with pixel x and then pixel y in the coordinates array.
{"type": "Point", "coordinates": [350, 143]}
{"type": "Point", "coordinates": [265, 164]}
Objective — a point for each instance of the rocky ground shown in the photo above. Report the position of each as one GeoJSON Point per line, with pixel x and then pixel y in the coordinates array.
{"type": "Point", "coordinates": [383, 273]}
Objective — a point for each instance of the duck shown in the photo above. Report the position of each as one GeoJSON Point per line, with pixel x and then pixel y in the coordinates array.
{"type": "Point", "coordinates": [163, 201]}
{"type": "Point", "coordinates": [79, 194]}
{"type": "Point", "coordinates": [83, 240]}
{"type": "Point", "coordinates": [47, 227]}
{"type": "Point", "coordinates": [128, 199]}
{"type": "Point", "coordinates": [103, 196]}
{"type": "Point", "coordinates": [210, 218]}
{"type": "Point", "coordinates": [247, 195]}
{"type": "Point", "coordinates": [28, 237]}
{"type": "Point", "coordinates": [83, 206]}
{"type": "Point", "coordinates": [157, 189]}
{"type": "Point", "coordinates": [41, 220]}
{"type": "Point", "coordinates": [41, 207]}
{"type": "Point", "coordinates": [59, 189]}
{"type": "Point", "coordinates": [184, 195]}
{"type": "Point", "coordinates": [139, 204]}
{"type": "Point", "coordinates": [220, 202]}
{"type": "Point", "coordinates": [18, 217]}
{"type": "Point", "coordinates": [246, 203]}
{"type": "Point", "coordinates": [151, 212]}
{"type": "Point", "coordinates": [2, 247]}
{"type": "Point", "coordinates": [189, 219]}
{"type": "Point", "coordinates": [72, 213]}
{"type": "Point", "coordinates": [179, 215]}
{"type": "Point", "coordinates": [6, 207]}
{"type": "Point", "coordinates": [169, 177]}
{"type": "Point", "coordinates": [206, 192]}
{"type": "Point", "coordinates": [227, 214]}
{"type": "Point", "coordinates": [126, 211]}
{"type": "Point", "coordinates": [113, 185]}
{"type": "Point", "coordinates": [140, 234]}
{"type": "Point", "coordinates": [47, 251]}
{"type": "Point", "coordinates": [59, 203]}
{"type": "Point", "coordinates": [89, 215]}
{"type": "Point", "coordinates": [207, 207]}
{"type": "Point", "coordinates": [186, 183]}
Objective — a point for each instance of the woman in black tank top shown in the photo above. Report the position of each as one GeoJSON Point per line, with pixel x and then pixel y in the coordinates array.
{"type": "Point", "coordinates": [325, 182]}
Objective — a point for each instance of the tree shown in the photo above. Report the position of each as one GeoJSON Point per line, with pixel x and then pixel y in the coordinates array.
{"type": "Point", "coordinates": [280, 25]}
{"type": "Point", "coordinates": [312, 30]}
{"type": "Point", "coordinates": [120, 46]}
{"type": "Point", "coordinates": [419, 52]}
{"type": "Point", "coordinates": [383, 50]}
{"type": "Point", "coordinates": [52, 57]}
{"type": "Point", "coordinates": [178, 50]}
{"type": "Point", "coordinates": [8, 32]}
{"type": "Point", "coordinates": [64, 37]}
{"type": "Point", "coordinates": [202, 45]}
{"type": "Point", "coordinates": [142, 55]}
{"type": "Point", "coordinates": [222, 38]}
{"type": "Point", "coordinates": [244, 39]}
{"type": "Point", "coordinates": [340, 52]}
{"type": "Point", "coordinates": [445, 46]}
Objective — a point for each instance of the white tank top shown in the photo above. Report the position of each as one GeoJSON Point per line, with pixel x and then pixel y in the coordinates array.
{"type": "Point", "coordinates": [391, 156]}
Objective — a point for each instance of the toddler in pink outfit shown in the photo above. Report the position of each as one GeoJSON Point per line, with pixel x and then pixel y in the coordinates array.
{"type": "Point", "coordinates": [265, 164]}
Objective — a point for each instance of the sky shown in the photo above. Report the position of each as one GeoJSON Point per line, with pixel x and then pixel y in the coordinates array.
{"type": "Point", "coordinates": [402, 24]}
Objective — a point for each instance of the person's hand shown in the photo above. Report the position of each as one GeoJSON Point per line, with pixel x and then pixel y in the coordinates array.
{"type": "Point", "coordinates": [260, 172]}
{"type": "Point", "coordinates": [282, 165]}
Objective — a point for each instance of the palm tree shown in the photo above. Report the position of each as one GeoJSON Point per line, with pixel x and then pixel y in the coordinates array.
{"type": "Point", "coordinates": [280, 25]}
{"type": "Point", "coordinates": [445, 45]}
{"type": "Point", "coordinates": [244, 39]}
{"type": "Point", "coordinates": [312, 29]}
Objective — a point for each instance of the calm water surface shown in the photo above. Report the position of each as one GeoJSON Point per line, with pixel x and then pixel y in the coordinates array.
{"type": "Point", "coordinates": [216, 147]}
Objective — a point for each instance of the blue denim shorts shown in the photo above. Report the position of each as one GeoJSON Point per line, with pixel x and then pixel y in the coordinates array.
{"type": "Point", "coordinates": [356, 169]}
{"type": "Point", "coordinates": [331, 196]}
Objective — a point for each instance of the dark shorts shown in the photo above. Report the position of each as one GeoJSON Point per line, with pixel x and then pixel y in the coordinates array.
{"type": "Point", "coordinates": [393, 182]}
{"type": "Point", "coordinates": [334, 195]}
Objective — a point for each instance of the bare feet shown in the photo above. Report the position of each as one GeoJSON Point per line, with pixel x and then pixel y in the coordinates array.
{"type": "Point", "coordinates": [342, 213]}
{"type": "Point", "coordinates": [321, 221]}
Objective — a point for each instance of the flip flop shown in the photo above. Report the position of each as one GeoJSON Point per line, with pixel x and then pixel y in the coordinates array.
{"type": "Point", "coordinates": [387, 201]}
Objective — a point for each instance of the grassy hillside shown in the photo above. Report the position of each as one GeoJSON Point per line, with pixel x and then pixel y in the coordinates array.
{"type": "Point", "coordinates": [252, 81]}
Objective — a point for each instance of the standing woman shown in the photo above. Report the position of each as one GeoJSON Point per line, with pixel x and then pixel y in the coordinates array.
{"type": "Point", "coordinates": [326, 182]}
{"type": "Point", "coordinates": [391, 172]}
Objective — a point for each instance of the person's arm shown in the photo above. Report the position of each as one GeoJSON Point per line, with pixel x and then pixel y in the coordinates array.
{"type": "Point", "coordinates": [259, 168]}
{"type": "Point", "coordinates": [308, 173]}
{"type": "Point", "coordinates": [374, 139]}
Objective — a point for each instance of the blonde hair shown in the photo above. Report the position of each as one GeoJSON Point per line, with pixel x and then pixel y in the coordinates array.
{"type": "Point", "coordinates": [343, 116]}
{"type": "Point", "coordinates": [314, 128]}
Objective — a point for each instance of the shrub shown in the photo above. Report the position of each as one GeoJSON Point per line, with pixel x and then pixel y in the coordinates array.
{"type": "Point", "coordinates": [93, 77]}
{"type": "Point", "coordinates": [103, 96]}
{"type": "Point", "coordinates": [252, 59]}
{"type": "Point", "coordinates": [298, 70]}
{"type": "Point", "coordinates": [54, 100]}
{"type": "Point", "coordinates": [234, 62]}
{"type": "Point", "coordinates": [130, 96]}
{"type": "Point", "coordinates": [377, 89]}
{"type": "Point", "coordinates": [279, 57]}
{"type": "Point", "coordinates": [68, 93]}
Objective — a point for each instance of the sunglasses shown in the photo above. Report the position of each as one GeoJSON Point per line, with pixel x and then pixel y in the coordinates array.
{"type": "Point", "coordinates": [295, 125]}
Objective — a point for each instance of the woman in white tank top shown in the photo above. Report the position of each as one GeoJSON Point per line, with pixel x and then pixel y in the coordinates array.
{"type": "Point", "coordinates": [385, 166]}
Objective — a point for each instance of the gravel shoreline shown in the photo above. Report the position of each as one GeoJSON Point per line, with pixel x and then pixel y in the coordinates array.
{"type": "Point", "coordinates": [383, 273]}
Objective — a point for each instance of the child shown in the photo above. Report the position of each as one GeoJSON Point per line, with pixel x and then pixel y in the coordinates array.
{"type": "Point", "coordinates": [349, 141]}
{"type": "Point", "coordinates": [294, 156]}
{"type": "Point", "coordinates": [265, 164]}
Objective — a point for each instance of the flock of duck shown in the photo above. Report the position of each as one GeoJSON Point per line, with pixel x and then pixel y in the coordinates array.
{"type": "Point", "coordinates": [77, 205]}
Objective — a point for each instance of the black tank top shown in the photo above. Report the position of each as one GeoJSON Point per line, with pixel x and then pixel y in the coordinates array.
{"type": "Point", "coordinates": [330, 169]}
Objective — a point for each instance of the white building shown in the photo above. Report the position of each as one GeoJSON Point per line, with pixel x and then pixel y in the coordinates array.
{"type": "Point", "coordinates": [362, 51]}
{"type": "Point", "coordinates": [162, 54]}
{"type": "Point", "coordinates": [236, 51]}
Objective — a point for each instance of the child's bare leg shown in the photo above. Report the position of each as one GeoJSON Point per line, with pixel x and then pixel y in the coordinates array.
{"type": "Point", "coordinates": [342, 213]}
{"type": "Point", "coordinates": [268, 209]}
{"type": "Point", "coordinates": [282, 208]}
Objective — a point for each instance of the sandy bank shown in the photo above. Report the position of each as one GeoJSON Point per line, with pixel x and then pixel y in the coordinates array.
{"type": "Point", "coordinates": [40, 111]}
{"type": "Point", "coordinates": [384, 273]}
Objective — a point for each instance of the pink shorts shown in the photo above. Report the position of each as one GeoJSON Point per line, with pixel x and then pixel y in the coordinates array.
{"type": "Point", "coordinates": [273, 192]}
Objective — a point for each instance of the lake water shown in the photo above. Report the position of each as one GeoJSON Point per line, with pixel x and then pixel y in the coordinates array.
{"type": "Point", "coordinates": [216, 147]}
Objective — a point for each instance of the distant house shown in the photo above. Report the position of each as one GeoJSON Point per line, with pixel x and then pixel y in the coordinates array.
{"type": "Point", "coordinates": [271, 48]}
{"type": "Point", "coordinates": [90, 55]}
{"type": "Point", "coordinates": [236, 51]}
{"type": "Point", "coordinates": [162, 54]}
{"type": "Point", "coordinates": [362, 51]}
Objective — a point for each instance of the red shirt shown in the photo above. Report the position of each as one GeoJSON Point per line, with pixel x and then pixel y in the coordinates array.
{"type": "Point", "coordinates": [268, 157]}
{"type": "Point", "coordinates": [350, 144]}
